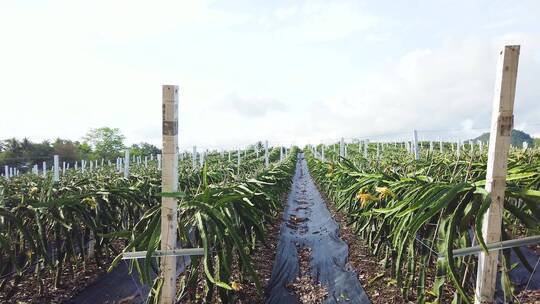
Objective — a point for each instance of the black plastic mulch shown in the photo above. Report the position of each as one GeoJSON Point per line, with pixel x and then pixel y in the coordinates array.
{"type": "Point", "coordinates": [308, 223]}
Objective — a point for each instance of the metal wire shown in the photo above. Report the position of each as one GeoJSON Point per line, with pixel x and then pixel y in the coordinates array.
{"type": "Point", "coordinates": [530, 277]}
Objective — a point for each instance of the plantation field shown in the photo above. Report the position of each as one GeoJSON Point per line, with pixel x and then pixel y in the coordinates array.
{"type": "Point", "coordinates": [49, 226]}
{"type": "Point", "coordinates": [409, 214]}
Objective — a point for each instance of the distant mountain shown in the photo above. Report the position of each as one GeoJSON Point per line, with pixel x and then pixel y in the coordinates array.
{"type": "Point", "coordinates": [518, 137]}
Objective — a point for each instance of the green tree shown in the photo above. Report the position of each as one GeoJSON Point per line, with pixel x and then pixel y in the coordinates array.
{"type": "Point", "coordinates": [84, 150]}
{"type": "Point", "coordinates": [144, 149]}
{"type": "Point", "coordinates": [106, 142]}
{"type": "Point", "coordinates": [66, 149]}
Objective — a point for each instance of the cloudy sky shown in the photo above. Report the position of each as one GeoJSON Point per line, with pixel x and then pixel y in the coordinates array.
{"type": "Point", "coordinates": [287, 71]}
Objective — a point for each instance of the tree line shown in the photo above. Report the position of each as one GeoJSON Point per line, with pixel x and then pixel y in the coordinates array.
{"type": "Point", "coordinates": [107, 143]}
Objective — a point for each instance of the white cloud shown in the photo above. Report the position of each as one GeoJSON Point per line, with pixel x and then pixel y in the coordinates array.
{"type": "Point", "coordinates": [446, 92]}
{"type": "Point", "coordinates": [252, 107]}
{"type": "Point", "coordinates": [322, 21]}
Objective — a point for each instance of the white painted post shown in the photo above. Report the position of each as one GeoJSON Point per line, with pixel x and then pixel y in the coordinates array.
{"type": "Point", "coordinates": [266, 161]}
{"type": "Point", "coordinates": [366, 145]}
{"type": "Point", "coordinates": [322, 152]}
{"type": "Point", "coordinates": [502, 121]}
{"type": "Point", "coordinates": [194, 158]}
{"type": "Point", "coordinates": [146, 161]}
{"type": "Point", "coordinates": [56, 174]}
{"type": "Point", "coordinates": [169, 183]}
{"type": "Point", "coordinates": [44, 169]}
{"type": "Point", "coordinates": [480, 146]}
{"type": "Point", "coordinates": [6, 171]}
{"type": "Point", "coordinates": [342, 148]}
{"type": "Point", "coordinates": [525, 145]}
{"type": "Point", "coordinates": [201, 159]}
{"type": "Point", "coordinates": [229, 155]}
{"type": "Point", "coordinates": [158, 157]}
{"type": "Point", "coordinates": [430, 146]}
{"type": "Point", "coordinates": [238, 161]}
{"type": "Point", "coordinates": [280, 154]}
{"type": "Point", "coordinates": [126, 163]}
{"type": "Point", "coordinates": [415, 145]}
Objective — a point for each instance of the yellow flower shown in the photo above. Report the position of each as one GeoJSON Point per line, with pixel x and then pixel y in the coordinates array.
{"type": "Point", "coordinates": [364, 198]}
{"type": "Point", "coordinates": [90, 201]}
{"type": "Point", "coordinates": [33, 190]}
{"type": "Point", "coordinates": [236, 286]}
{"type": "Point", "coordinates": [384, 192]}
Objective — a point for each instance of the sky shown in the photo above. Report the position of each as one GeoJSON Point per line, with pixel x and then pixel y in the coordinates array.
{"type": "Point", "coordinates": [291, 72]}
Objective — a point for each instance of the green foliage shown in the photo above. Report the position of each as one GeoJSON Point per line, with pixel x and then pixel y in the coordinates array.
{"type": "Point", "coordinates": [144, 149]}
{"type": "Point", "coordinates": [412, 208]}
{"type": "Point", "coordinates": [106, 142]}
{"type": "Point", "coordinates": [222, 208]}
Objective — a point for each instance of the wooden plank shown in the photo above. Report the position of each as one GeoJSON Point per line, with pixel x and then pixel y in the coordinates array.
{"type": "Point", "coordinates": [169, 183]}
{"type": "Point", "coordinates": [502, 121]}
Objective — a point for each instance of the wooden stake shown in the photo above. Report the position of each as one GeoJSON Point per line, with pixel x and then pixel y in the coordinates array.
{"type": "Point", "coordinates": [169, 183]}
{"type": "Point", "coordinates": [502, 121]}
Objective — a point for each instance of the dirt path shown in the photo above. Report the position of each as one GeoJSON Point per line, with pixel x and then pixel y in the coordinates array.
{"type": "Point", "coordinates": [322, 274]}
